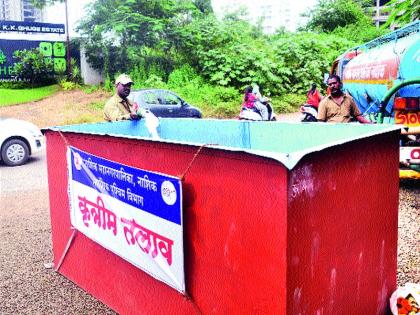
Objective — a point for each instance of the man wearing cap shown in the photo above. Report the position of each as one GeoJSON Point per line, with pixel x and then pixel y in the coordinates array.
{"type": "Point", "coordinates": [118, 106]}
{"type": "Point", "coordinates": [339, 107]}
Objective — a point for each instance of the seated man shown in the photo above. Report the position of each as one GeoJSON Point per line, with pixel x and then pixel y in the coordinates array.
{"type": "Point", "coordinates": [118, 106]}
{"type": "Point", "coordinates": [339, 107]}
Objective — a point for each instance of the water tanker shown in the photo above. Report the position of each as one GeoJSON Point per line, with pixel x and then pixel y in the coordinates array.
{"type": "Point", "coordinates": [383, 77]}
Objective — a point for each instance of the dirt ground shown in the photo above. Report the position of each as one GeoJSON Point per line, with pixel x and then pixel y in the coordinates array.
{"type": "Point", "coordinates": [63, 108]}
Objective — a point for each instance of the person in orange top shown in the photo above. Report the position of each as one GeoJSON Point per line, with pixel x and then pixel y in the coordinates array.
{"type": "Point", "coordinates": [314, 97]}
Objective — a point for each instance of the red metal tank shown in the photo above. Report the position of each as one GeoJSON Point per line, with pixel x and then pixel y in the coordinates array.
{"type": "Point", "coordinates": [313, 235]}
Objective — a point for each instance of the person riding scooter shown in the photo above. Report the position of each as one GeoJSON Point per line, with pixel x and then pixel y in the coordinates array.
{"type": "Point", "coordinates": [254, 106]}
{"type": "Point", "coordinates": [309, 110]}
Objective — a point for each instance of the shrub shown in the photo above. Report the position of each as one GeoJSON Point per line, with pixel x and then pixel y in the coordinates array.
{"type": "Point", "coordinates": [155, 82]}
{"type": "Point", "coordinates": [33, 66]}
{"type": "Point", "coordinates": [108, 85]}
{"type": "Point", "coordinates": [68, 85]}
{"type": "Point", "coordinates": [138, 75]}
{"type": "Point", "coordinates": [14, 85]}
{"type": "Point", "coordinates": [97, 105]}
{"type": "Point", "coordinates": [88, 89]}
{"type": "Point", "coordinates": [75, 75]}
{"type": "Point", "coordinates": [214, 101]}
{"type": "Point", "coordinates": [181, 76]}
{"type": "Point", "coordinates": [288, 103]}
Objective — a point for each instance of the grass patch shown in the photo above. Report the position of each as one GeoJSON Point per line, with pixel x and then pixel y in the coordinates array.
{"type": "Point", "coordinates": [89, 89]}
{"type": "Point", "coordinates": [288, 103]}
{"type": "Point", "coordinates": [98, 106]}
{"type": "Point", "coordinates": [12, 97]}
{"type": "Point", "coordinates": [83, 119]}
{"type": "Point", "coordinates": [221, 102]}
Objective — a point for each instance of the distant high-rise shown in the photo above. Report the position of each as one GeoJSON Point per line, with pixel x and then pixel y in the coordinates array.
{"type": "Point", "coordinates": [276, 14]}
{"type": "Point", "coordinates": [273, 14]}
{"type": "Point", "coordinates": [19, 10]}
{"type": "Point", "coordinates": [380, 15]}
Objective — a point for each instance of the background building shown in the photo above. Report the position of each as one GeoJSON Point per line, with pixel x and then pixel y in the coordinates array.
{"type": "Point", "coordinates": [273, 14]}
{"type": "Point", "coordinates": [379, 15]}
{"type": "Point", "coordinates": [20, 10]}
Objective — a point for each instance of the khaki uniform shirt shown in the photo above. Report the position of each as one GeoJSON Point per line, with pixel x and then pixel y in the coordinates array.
{"type": "Point", "coordinates": [118, 109]}
{"type": "Point", "coordinates": [330, 111]}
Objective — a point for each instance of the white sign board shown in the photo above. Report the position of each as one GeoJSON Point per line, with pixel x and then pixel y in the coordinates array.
{"type": "Point", "coordinates": [134, 213]}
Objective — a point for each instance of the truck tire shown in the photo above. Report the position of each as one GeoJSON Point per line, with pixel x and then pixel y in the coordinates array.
{"type": "Point", "coordinates": [14, 152]}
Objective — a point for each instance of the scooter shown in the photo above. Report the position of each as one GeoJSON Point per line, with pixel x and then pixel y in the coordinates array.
{"type": "Point", "coordinates": [255, 114]}
{"type": "Point", "coordinates": [309, 113]}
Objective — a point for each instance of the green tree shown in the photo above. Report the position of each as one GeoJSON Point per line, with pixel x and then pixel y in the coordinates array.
{"type": "Point", "coordinates": [225, 52]}
{"type": "Point", "coordinates": [235, 53]}
{"type": "Point", "coordinates": [120, 34]}
{"type": "Point", "coordinates": [303, 58]}
{"type": "Point", "coordinates": [204, 6]}
{"type": "Point", "coordinates": [361, 32]}
{"type": "Point", "coordinates": [402, 12]}
{"type": "Point", "coordinates": [348, 19]}
{"type": "Point", "coordinates": [327, 15]}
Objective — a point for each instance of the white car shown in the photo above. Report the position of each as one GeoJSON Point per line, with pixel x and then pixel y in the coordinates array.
{"type": "Point", "coordinates": [18, 140]}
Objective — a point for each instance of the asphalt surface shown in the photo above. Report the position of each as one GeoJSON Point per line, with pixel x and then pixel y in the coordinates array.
{"type": "Point", "coordinates": [32, 175]}
{"type": "Point", "coordinates": [27, 283]}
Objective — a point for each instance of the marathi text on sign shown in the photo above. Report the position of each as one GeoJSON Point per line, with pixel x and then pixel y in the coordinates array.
{"type": "Point", "coordinates": [134, 213]}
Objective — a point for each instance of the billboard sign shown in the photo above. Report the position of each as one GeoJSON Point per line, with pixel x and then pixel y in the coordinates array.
{"type": "Point", "coordinates": [31, 27]}
{"type": "Point", "coordinates": [54, 50]}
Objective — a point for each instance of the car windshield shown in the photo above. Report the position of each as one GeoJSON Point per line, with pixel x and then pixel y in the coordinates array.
{"type": "Point", "coordinates": [169, 98]}
{"type": "Point", "coordinates": [164, 103]}
{"type": "Point", "coordinates": [149, 98]}
{"type": "Point", "coordinates": [158, 97]}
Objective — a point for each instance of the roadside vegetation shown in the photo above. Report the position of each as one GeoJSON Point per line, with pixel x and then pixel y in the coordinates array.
{"type": "Point", "coordinates": [181, 46]}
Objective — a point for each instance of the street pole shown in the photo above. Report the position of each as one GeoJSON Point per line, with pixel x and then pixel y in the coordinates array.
{"type": "Point", "coordinates": [69, 70]}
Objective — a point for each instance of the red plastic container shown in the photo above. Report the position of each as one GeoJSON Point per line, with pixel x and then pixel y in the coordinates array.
{"type": "Point", "coordinates": [317, 237]}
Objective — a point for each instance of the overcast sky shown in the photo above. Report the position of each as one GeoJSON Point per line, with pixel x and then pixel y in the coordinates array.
{"type": "Point", "coordinates": [56, 13]}
{"type": "Point", "coordinates": [298, 5]}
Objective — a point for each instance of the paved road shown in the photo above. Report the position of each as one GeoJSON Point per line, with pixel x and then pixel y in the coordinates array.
{"type": "Point", "coordinates": [26, 285]}
{"type": "Point", "coordinates": [32, 175]}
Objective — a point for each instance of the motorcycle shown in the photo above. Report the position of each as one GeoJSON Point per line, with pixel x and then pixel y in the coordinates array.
{"type": "Point", "coordinates": [309, 113]}
{"type": "Point", "coordinates": [257, 115]}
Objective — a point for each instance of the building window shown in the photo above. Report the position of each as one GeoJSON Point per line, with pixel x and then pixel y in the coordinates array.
{"type": "Point", "coordinates": [383, 2]}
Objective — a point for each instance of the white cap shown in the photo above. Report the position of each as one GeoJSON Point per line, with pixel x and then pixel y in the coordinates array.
{"type": "Point", "coordinates": [123, 79]}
